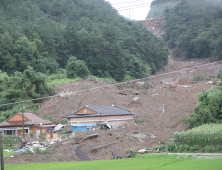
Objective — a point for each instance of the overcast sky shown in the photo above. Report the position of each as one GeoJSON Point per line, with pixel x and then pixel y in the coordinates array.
{"type": "Point", "coordinates": [140, 11]}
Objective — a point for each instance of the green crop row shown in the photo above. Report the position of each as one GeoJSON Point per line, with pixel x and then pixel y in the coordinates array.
{"type": "Point", "coordinates": [208, 134]}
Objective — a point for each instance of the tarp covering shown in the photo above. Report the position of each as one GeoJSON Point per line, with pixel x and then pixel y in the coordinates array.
{"type": "Point", "coordinates": [81, 128]}
{"type": "Point", "coordinates": [21, 150]}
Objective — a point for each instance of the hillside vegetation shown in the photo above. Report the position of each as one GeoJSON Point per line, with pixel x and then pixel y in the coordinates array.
{"type": "Point", "coordinates": [20, 87]}
{"type": "Point", "coordinates": [158, 8]}
{"type": "Point", "coordinates": [47, 34]}
{"type": "Point", "coordinates": [53, 41]}
{"type": "Point", "coordinates": [195, 28]}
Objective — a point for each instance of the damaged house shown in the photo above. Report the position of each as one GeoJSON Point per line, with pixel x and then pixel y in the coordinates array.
{"type": "Point", "coordinates": [89, 117]}
{"type": "Point", "coordinates": [32, 122]}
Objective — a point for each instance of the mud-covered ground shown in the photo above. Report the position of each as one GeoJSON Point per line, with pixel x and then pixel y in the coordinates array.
{"type": "Point", "coordinates": [179, 102]}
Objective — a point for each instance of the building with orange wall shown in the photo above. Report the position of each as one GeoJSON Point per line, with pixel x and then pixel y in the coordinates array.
{"type": "Point", "coordinates": [32, 122]}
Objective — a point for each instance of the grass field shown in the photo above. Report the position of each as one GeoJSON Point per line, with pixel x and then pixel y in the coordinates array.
{"type": "Point", "coordinates": [62, 81]}
{"type": "Point", "coordinates": [7, 154]}
{"type": "Point", "coordinates": [56, 80]}
{"type": "Point", "coordinates": [146, 163]}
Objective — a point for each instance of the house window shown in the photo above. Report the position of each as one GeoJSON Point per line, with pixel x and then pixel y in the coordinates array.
{"type": "Point", "coordinates": [9, 132]}
{"type": "Point", "coordinates": [26, 131]}
{"type": "Point", "coordinates": [84, 111]}
{"type": "Point", "coordinates": [43, 130]}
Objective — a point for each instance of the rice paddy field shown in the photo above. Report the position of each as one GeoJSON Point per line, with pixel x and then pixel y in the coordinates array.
{"type": "Point", "coordinates": [146, 163]}
{"type": "Point", "coordinates": [208, 134]}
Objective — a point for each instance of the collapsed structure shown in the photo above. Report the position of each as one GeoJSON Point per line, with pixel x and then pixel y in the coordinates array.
{"type": "Point", "coordinates": [89, 117]}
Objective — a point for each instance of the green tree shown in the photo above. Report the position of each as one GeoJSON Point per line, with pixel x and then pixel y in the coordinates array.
{"type": "Point", "coordinates": [208, 108]}
{"type": "Point", "coordinates": [76, 68]}
{"type": "Point", "coordinates": [195, 28]}
{"type": "Point", "coordinates": [91, 30]}
{"type": "Point", "coordinates": [21, 86]}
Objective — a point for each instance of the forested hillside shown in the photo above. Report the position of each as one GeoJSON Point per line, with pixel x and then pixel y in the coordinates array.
{"type": "Point", "coordinates": [44, 34]}
{"type": "Point", "coordinates": [158, 8]}
{"type": "Point", "coordinates": [73, 38]}
{"type": "Point", "coordinates": [195, 27]}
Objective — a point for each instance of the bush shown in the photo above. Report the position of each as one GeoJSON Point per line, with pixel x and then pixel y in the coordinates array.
{"type": "Point", "coordinates": [76, 68]}
{"type": "Point", "coordinates": [141, 120]}
{"type": "Point", "coordinates": [209, 149]}
{"type": "Point", "coordinates": [161, 148]}
{"type": "Point", "coordinates": [199, 77]}
{"type": "Point", "coordinates": [218, 148]}
{"type": "Point", "coordinates": [42, 136]}
{"type": "Point", "coordinates": [9, 140]}
{"type": "Point", "coordinates": [207, 110]}
{"type": "Point", "coordinates": [31, 134]}
{"type": "Point", "coordinates": [194, 148]}
{"type": "Point", "coordinates": [91, 78]}
{"type": "Point", "coordinates": [172, 147]}
{"type": "Point", "coordinates": [37, 150]}
{"type": "Point", "coordinates": [28, 151]}
{"type": "Point", "coordinates": [183, 148]}
{"type": "Point", "coordinates": [132, 151]}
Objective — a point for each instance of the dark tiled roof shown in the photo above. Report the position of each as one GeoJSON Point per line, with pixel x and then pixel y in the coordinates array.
{"type": "Point", "coordinates": [110, 110]}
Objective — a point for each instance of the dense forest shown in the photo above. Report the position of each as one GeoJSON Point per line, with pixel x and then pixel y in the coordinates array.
{"type": "Point", "coordinates": [75, 38]}
{"type": "Point", "coordinates": [158, 8]}
{"type": "Point", "coordinates": [45, 34]}
{"type": "Point", "coordinates": [194, 28]}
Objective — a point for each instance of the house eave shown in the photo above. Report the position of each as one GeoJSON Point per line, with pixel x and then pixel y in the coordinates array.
{"type": "Point", "coordinates": [90, 116]}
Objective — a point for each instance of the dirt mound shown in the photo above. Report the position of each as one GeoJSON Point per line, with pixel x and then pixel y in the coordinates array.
{"type": "Point", "coordinates": [151, 94]}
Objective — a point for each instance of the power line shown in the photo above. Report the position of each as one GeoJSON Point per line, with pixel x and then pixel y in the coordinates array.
{"type": "Point", "coordinates": [125, 8]}
{"type": "Point", "coordinates": [72, 10]}
{"type": "Point", "coordinates": [126, 2]}
{"type": "Point", "coordinates": [69, 93]}
{"type": "Point", "coordinates": [65, 10]}
{"type": "Point", "coordinates": [118, 9]}
{"type": "Point", "coordinates": [133, 7]}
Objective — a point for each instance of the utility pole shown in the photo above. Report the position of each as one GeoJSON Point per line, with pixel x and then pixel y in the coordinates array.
{"type": "Point", "coordinates": [165, 129]}
{"type": "Point", "coordinates": [1, 151]}
{"type": "Point", "coordinates": [23, 132]}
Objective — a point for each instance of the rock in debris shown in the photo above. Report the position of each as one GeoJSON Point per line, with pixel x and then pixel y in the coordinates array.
{"type": "Point", "coordinates": [143, 135]}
